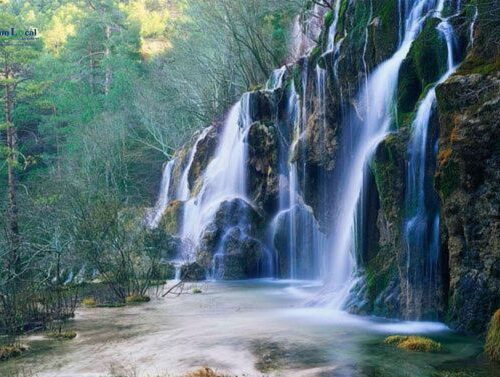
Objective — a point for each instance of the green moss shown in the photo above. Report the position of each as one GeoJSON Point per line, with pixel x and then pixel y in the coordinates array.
{"type": "Point", "coordinates": [11, 350]}
{"type": "Point", "coordinates": [448, 179]}
{"type": "Point", "coordinates": [479, 65]}
{"type": "Point", "coordinates": [414, 343]}
{"type": "Point", "coordinates": [315, 54]}
{"type": "Point", "coordinates": [196, 291]}
{"type": "Point", "coordinates": [492, 346]}
{"type": "Point", "coordinates": [136, 299]}
{"type": "Point", "coordinates": [328, 19]}
{"type": "Point", "coordinates": [379, 272]}
{"type": "Point", "coordinates": [409, 86]}
{"type": "Point", "coordinates": [430, 53]}
{"type": "Point", "coordinates": [387, 168]}
{"type": "Point", "coordinates": [64, 335]}
{"type": "Point", "coordinates": [405, 119]}
{"type": "Point", "coordinates": [297, 78]}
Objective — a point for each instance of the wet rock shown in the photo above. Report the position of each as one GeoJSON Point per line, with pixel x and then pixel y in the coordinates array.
{"type": "Point", "coordinates": [204, 152]}
{"type": "Point", "coordinates": [308, 243]}
{"type": "Point", "coordinates": [230, 245]}
{"type": "Point", "coordinates": [192, 272]}
{"type": "Point", "coordinates": [468, 182]}
{"type": "Point", "coordinates": [263, 165]}
{"type": "Point", "coordinates": [171, 220]}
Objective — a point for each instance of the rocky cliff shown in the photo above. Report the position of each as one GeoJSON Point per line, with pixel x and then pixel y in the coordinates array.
{"type": "Point", "coordinates": [298, 127]}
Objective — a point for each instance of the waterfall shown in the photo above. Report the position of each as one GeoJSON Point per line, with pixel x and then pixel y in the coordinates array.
{"type": "Point", "coordinates": [332, 32]}
{"type": "Point", "coordinates": [421, 228]}
{"type": "Point", "coordinates": [369, 127]}
{"type": "Point", "coordinates": [154, 217]}
{"type": "Point", "coordinates": [276, 79]}
{"type": "Point", "coordinates": [224, 177]}
{"type": "Point", "coordinates": [183, 191]}
{"type": "Point", "coordinates": [472, 24]}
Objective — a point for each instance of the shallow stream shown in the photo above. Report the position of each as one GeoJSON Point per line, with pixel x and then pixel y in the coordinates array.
{"type": "Point", "coordinates": [249, 328]}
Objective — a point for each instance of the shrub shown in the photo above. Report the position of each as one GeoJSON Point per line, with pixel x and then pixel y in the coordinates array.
{"type": "Point", "coordinates": [196, 290]}
{"type": "Point", "coordinates": [492, 346]}
{"type": "Point", "coordinates": [89, 302]}
{"type": "Point", "coordinates": [135, 299]}
{"type": "Point", "coordinates": [11, 350]}
{"type": "Point", "coordinates": [414, 343]}
{"type": "Point", "coordinates": [204, 372]}
{"type": "Point", "coordinates": [65, 335]}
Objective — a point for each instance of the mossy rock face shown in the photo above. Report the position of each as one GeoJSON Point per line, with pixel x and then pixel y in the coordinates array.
{"type": "Point", "coordinates": [204, 152]}
{"type": "Point", "coordinates": [171, 220]}
{"type": "Point", "coordinates": [425, 64]}
{"type": "Point", "coordinates": [467, 181]}
{"type": "Point", "coordinates": [492, 346]}
{"type": "Point", "coordinates": [263, 165]}
{"type": "Point", "coordinates": [414, 343]}
{"type": "Point", "coordinates": [11, 350]}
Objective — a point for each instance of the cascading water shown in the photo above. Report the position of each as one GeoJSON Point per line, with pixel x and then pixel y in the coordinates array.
{"type": "Point", "coordinates": [369, 126]}
{"type": "Point", "coordinates": [183, 191]}
{"type": "Point", "coordinates": [221, 180]}
{"type": "Point", "coordinates": [276, 79]}
{"type": "Point", "coordinates": [421, 229]}
{"type": "Point", "coordinates": [333, 27]}
{"type": "Point", "coordinates": [154, 217]}
{"type": "Point", "coordinates": [300, 251]}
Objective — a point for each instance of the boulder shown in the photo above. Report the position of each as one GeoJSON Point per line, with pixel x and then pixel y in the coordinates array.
{"type": "Point", "coordinates": [230, 244]}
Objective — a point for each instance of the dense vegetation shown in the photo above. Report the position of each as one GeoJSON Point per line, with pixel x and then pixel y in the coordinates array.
{"type": "Point", "coordinates": [91, 108]}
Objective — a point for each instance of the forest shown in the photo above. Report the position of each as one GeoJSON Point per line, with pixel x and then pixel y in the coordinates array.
{"type": "Point", "coordinates": [196, 157]}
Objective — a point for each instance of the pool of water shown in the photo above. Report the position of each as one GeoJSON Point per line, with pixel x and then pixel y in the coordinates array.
{"type": "Point", "coordinates": [249, 328]}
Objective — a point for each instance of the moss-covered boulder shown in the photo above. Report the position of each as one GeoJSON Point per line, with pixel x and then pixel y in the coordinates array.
{"type": "Point", "coordinates": [230, 245]}
{"type": "Point", "coordinates": [414, 343]}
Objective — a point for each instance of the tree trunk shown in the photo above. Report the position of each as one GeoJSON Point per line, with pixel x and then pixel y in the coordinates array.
{"type": "Point", "coordinates": [107, 75]}
{"type": "Point", "coordinates": [12, 211]}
